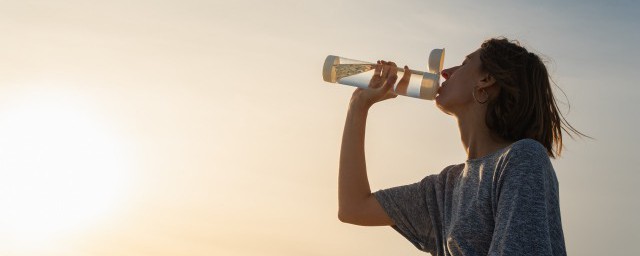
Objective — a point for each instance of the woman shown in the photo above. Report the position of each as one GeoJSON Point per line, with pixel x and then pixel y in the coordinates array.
{"type": "Point", "coordinates": [503, 200]}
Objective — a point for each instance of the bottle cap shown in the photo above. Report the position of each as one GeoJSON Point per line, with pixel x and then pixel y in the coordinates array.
{"type": "Point", "coordinates": [431, 79]}
{"type": "Point", "coordinates": [327, 73]}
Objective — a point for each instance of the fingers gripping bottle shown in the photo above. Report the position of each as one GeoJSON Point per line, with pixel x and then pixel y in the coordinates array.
{"type": "Point", "coordinates": [422, 85]}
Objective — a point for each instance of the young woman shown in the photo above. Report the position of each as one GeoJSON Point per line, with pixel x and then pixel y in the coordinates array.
{"type": "Point", "coordinates": [503, 200]}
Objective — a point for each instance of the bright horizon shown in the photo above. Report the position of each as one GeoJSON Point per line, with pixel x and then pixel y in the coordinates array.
{"type": "Point", "coordinates": [204, 127]}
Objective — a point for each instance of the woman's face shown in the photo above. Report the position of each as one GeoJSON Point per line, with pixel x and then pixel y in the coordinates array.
{"type": "Point", "coordinates": [455, 94]}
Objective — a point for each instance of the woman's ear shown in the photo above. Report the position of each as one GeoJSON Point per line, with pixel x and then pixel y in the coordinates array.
{"type": "Point", "coordinates": [486, 81]}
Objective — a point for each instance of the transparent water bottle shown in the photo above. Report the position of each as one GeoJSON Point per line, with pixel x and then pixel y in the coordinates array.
{"type": "Point", "coordinates": [422, 85]}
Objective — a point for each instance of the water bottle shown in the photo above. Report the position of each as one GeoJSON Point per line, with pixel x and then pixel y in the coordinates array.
{"type": "Point", "coordinates": [422, 85]}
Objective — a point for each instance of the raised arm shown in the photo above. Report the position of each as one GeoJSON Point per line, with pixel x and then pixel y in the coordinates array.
{"type": "Point", "coordinates": [357, 205]}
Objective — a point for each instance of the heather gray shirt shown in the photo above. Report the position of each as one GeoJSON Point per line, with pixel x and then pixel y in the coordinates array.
{"type": "Point", "coordinates": [504, 203]}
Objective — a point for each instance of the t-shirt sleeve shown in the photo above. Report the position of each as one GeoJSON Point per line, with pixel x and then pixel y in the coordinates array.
{"type": "Point", "coordinates": [526, 205]}
{"type": "Point", "coordinates": [407, 207]}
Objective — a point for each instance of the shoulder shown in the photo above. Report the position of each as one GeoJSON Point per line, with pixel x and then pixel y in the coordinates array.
{"type": "Point", "coordinates": [451, 171]}
{"type": "Point", "coordinates": [527, 149]}
{"type": "Point", "coordinates": [447, 174]}
{"type": "Point", "coordinates": [526, 158]}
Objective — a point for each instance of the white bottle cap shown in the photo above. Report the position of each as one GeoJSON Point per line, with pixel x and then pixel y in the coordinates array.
{"type": "Point", "coordinates": [431, 79]}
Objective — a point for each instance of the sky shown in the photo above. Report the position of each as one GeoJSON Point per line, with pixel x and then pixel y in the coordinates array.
{"type": "Point", "coordinates": [204, 127]}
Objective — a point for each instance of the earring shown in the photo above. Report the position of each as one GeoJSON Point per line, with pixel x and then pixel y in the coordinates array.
{"type": "Point", "coordinates": [473, 93]}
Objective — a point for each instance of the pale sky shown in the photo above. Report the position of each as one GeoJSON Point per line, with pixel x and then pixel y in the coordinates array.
{"type": "Point", "coordinates": [204, 127]}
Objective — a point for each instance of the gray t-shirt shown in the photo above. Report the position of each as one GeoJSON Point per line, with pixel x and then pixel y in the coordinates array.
{"type": "Point", "coordinates": [504, 203]}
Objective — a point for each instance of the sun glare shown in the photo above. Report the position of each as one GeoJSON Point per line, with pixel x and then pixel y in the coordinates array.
{"type": "Point", "coordinates": [61, 170]}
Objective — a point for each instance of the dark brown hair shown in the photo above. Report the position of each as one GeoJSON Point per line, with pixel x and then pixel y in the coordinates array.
{"type": "Point", "coordinates": [525, 106]}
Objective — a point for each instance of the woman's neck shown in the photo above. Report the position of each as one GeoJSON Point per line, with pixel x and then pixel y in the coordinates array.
{"type": "Point", "coordinates": [476, 137]}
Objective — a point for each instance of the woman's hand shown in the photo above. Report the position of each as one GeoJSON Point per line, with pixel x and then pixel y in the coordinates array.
{"type": "Point", "coordinates": [380, 86]}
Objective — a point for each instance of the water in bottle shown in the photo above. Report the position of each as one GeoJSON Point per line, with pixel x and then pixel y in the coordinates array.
{"type": "Point", "coordinates": [423, 85]}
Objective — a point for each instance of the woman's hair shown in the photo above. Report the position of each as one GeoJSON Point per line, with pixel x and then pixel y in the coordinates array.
{"type": "Point", "coordinates": [525, 106]}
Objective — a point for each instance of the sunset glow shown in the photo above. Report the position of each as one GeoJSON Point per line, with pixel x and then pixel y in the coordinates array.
{"type": "Point", "coordinates": [200, 127]}
{"type": "Point", "coordinates": [62, 171]}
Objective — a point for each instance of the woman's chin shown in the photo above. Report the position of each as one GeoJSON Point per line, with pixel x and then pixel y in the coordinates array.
{"type": "Point", "coordinates": [441, 104]}
{"type": "Point", "coordinates": [438, 99]}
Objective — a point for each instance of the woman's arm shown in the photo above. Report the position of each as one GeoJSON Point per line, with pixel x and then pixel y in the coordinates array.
{"type": "Point", "coordinates": [357, 205]}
